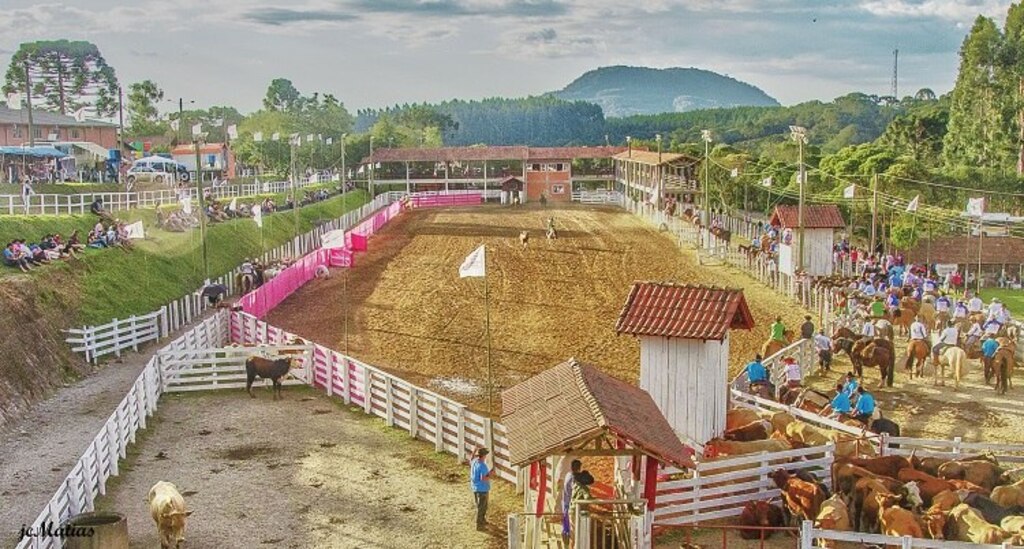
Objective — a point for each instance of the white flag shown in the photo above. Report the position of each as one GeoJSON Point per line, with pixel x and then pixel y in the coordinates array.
{"type": "Point", "coordinates": [295, 139]}
{"type": "Point", "coordinates": [135, 231]}
{"type": "Point", "coordinates": [14, 100]}
{"type": "Point", "coordinates": [735, 173]}
{"type": "Point", "coordinates": [197, 129]}
{"type": "Point", "coordinates": [257, 215]}
{"type": "Point", "coordinates": [766, 182]}
{"type": "Point", "coordinates": [186, 204]}
{"type": "Point", "coordinates": [330, 140]}
{"type": "Point", "coordinates": [219, 123]}
{"type": "Point", "coordinates": [912, 206]}
{"type": "Point", "coordinates": [378, 165]}
{"type": "Point", "coordinates": [234, 204]}
{"type": "Point", "coordinates": [175, 125]}
{"type": "Point", "coordinates": [475, 264]}
{"type": "Point", "coordinates": [275, 136]}
{"type": "Point", "coordinates": [80, 115]}
{"type": "Point", "coordinates": [310, 138]}
{"type": "Point", "coordinates": [360, 170]}
{"type": "Point", "coordinates": [975, 206]}
{"type": "Point", "coordinates": [257, 137]}
{"type": "Point", "coordinates": [233, 132]}
{"type": "Point", "coordinates": [848, 192]}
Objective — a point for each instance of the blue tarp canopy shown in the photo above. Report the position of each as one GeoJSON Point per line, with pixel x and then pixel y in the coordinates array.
{"type": "Point", "coordinates": [34, 152]}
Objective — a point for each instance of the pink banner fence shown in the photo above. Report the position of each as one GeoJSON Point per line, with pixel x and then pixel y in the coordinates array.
{"type": "Point", "coordinates": [442, 200]}
{"type": "Point", "coordinates": [261, 300]}
{"type": "Point", "coordinates": [356, 238]}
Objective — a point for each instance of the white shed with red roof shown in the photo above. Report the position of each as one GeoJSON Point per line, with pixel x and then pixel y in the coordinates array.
{"type": "Point", "coordinates": [820, 225]}
{"type": "Point", "coordinates": [684, 350]}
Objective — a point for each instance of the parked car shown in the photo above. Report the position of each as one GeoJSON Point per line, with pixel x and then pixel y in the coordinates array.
{"type": "Point", "coordinates": [155, 170]}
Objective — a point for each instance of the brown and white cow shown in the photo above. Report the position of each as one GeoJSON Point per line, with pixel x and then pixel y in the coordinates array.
{"type": "Point", "coordinates": [168, 510]}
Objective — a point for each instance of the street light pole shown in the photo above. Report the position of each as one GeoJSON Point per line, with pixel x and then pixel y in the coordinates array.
{"type": "Point", "coordinates": [202, 207]}
{"type": "Point", "coordinates": [371, 169]}
{"type": "Point", "coordinates": [28, 104]}
{"type": "Point", "coordinates": [799, 135]}
{"type": "Point", "coordinates": [661, 173]}
{"type": "Point", "coordinates": [705, 135]}
{"type": "Point", "coordinates": [343, 172]}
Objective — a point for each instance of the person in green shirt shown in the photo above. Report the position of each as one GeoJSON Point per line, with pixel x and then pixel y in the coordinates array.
{"type": "Point", "coordinates": [778, 330]}
{"type": "Point", "coordinates": [878, 308]}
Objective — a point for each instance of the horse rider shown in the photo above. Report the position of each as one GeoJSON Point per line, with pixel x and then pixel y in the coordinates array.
{"type": "Point", "coordinates": [949, 337]}
{"type": "Point", "coordinates": [247, 268]}
{"type": "Point", "coordinates": [998, 312]}
{"type": "Point", "coordinates": [892, 302]}
{"type": "Point", "coordinates": [794, 374]}
{"type": "Point", "coordinates": [988, 352]}
{"type": "Point", "coordinates": [974, 334]}
{"type": "Point", "coordinates": [868, 288]}
{"type": "Point", "coordinates": [824, 346]}
{"type": "Point", "coordinates": [778, 330]}
{"type": "Point", "coordinates": [878, 307]}
{"type": "Point", "coordinates": [959, 310]}
{"type": "Point", "coordinates": [807, 328]}
{"type": "Point", "coordinates": [918, 330]}
{"type": "Point", "coordinates": [929, 285]}
{"type": "Point", "coordinates": [942, 304]}
{"type": "Point", "coordinates": [992, 327]}
{"type": "Point", "coordinates": [868, 329]}
{"type": "Point", "coordinates": [865, 406]}
{"type": "Point", "coordinates": [551, 227]}
{"type": "Point", "coordinates": [975, 305]}
{"type": "Point", "coordinates": [757, 374]}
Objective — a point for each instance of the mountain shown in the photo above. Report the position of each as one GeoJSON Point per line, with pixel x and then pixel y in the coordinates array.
{"type": "Point", "coordinates": [625, 91]}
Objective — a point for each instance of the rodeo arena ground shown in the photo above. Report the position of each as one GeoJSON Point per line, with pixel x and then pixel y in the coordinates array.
{"type": "Point", "coordinates": [638, 373]}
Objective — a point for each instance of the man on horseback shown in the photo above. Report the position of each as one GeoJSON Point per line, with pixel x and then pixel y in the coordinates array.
{"type": "Point", "coordinates": [778, 330]}
{"type": "Point", "coordinates": [975, 305]}
{"type": "Point", "coordinates": [892, 302]}
{"type": "Point", "coordinates": [551, 234]}
{"type": "Point", "coordinates": [918, 330]}
{"type": "Point", "coordinates": [247, 272]}
{"type": "Point", "coordinates": [865, 406]}
{"type": "Point", "coordinates": [959, 311]}
{"type": "Point", "coordinates": [868, 329]}
{"type": "Point", "coordinates": [878, 308]}
{"type": "Point", "coordinates": [949, 337]}
{"type": "Point", "coordinates": [974, 334]}
{"type": "Point", "coordinates": [757, 375]}
{"type": "Point", "coordinates": [988, 352]}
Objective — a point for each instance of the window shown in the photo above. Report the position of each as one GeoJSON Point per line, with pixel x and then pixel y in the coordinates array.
{"type": "Point", "coordinates": [535, 167]}
{"type": "Point", "coordinates": [37, 132]}
{"type": "Point", "coordinates": [75, 133]}
{"type": "Point", "coordinates": [17, 132]}
{"type": "Point", "coordinates": [558, 189]}
{"type": "Point", "coordinates": [559, 167]}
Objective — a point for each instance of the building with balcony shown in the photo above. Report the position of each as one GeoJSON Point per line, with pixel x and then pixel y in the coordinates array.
{"type": "Point", "coordinates": [50, 127]}
{"type": "Point", "coordinates": [640, 174]}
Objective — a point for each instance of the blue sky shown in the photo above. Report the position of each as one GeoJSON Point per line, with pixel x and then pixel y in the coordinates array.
{"type": "Point", "coordinates": [372, 53]}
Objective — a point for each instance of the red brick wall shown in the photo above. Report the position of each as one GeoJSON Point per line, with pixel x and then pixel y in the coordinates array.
{"type": "Point", "coordinates": [103, 136]}
{"type": "Point", "coordinates": [556, 185]}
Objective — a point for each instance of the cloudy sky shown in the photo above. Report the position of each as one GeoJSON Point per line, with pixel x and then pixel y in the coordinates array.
{"type": "Point", "coordinates": [372, 53]}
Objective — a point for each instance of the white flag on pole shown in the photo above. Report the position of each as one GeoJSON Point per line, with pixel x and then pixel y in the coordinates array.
{"type": "Point", "coordinates": [975, 206]}
{"type": "Point", "coordinates": [360, 170]}
{"type": "Point", "coordinates": [295, 139]}
{"type": "Point", "coordinates": [135, 231]}
{"type": "Point", "coordinates": [186, 204]}
{"type": "Point", "coordinates": [80, 115]}
{"type": "Point", "coordinates": [474, 265]}
{"type": "Point", "coordinates": [234, 204]}
{"type": "Point", "coordinates": [197, 129]}
{"type": "Point", "coordinates": [912, 206]}
{"type": "Point", "coordinates": [330, 141]}
{"type": "Point", "coordinates": [175, 125]}
{"type": "Point", "coordinates": [275, 136]}
{"type": "Point", "coordinates": [219, 122]}
{"type": "Point", "coordinates": [257, 215]}
{"type": "Point", "coordinates": [766, 182]}
{"type": "Point", "coordinates": [233, 131]}
{"type": "Point", "coordinates": [848, 192]}
{"type": "Point", "coordinates": [14, 100]}
{"type": "Point", "coordinates": [310, 138]}
{"type": "Point", "coordinates": [378, 165]}
{"type": "Point", "coordinates": [734, 173]}
{"type": "Point", "coordinates": [257, 137]}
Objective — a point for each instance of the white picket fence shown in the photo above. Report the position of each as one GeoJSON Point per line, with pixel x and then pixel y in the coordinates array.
{"type": "Point", "coordinates": [719, 489]}
{"type": "Point", "coordinates": [120, 334]}
{"type": "Point", "coordinates": [600, 196]}
{"type": "Point", "coordinates": [79, 203]}
{"type": "Point", "coordinates": [219, 368]}
{"type": "Point", "coordinates": [88, 477]}
{"type": "Point", "coordinates": [810, 536]}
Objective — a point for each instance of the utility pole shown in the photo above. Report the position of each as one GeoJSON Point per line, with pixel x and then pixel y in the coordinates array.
{"type": "Point", "coordinates": [120, 122]}
{"type": "Point", "coordinates": [295, 192]}
{"type": "Point", "coordinates": [800, 136]}
{"type": "Point", "coordinates": [661, 172]}
{"type": "Point", "coordinates": [874, 213]}
{"type": "Point", "coordinates": [344, 174]}
{"type": "Point", "coordinates": [181, 113]}
{"type": "Point", "coordinates": [981, 238]}
{"type": "Point", "coordinates": [371, 169]}
{"type": "Point", "coordinates": [28, 102]}
{"type": "Point", "coordinates": [202, 207]}
{"type": "Point", "coordinates": [705, 135]}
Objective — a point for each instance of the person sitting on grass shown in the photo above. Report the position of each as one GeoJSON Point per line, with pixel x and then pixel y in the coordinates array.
{"type": "Point", "coordinates": [14, 258]}
{"type": "Point", "coordinates": [34, 256]}
{"type": "Point", "coordinates": [97, 239]}
{"type": "Point", "coordinates": [122, 236]}
{"type": "Point", "coordinates": [71, 247]}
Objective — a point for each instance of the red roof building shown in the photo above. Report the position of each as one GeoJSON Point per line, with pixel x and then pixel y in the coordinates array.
{"type": "Point", "coordinates": [818, 216]}
{"type": "Point", "coordinates": [683, 311]}
{"type": "Point", "coordinates": [684, 351]}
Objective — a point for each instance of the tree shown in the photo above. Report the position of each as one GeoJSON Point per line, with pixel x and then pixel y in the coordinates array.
{"type": "Point", "coordinates": [925, 94]}
{"type": "Point", "coordinates": [976, 135]}
{"type": "Point", "coordinates": [281, 95]}
{"type": "Point", "coordinates": [65, 75]}
{"type": "Point", "coordinates": [144, 118]}
{"type": "Point", "coordinates": [1012, 81]}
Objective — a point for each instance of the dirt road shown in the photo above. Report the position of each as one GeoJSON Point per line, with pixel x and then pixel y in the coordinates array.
{"type": "Point", "coordinates": [297, 473]}
{"type": "Point", "coordinates": [412, 315]}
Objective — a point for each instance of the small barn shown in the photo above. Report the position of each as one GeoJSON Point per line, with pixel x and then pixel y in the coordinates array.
{"type": "Point", "coordinates": [684, 350]}
{"type": "Point", "coordinates": [820, 224]}
{"type": "Point", "coordinates": [574, 410]}
{"type": "Point", "coordinates": [510, 187]}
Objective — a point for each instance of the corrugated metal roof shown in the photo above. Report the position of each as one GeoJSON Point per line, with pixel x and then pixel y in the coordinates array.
{"type": "Point", "coordinates": [650, 158]}
{"type": "Point", "coordinates": [683, 311]}
{"type": "Point", "coordinates": [564, 408]}
{"type": "Point", "coordinates": [820, 216]}
{"type": "Point", "coordinates": [45, 118]}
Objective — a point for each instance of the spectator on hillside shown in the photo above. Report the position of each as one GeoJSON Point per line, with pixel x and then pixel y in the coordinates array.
{"type": "Point", "coordinates": [34, 256]}
{"type": "Point", "coordinates": [97, 239]}
{"type": "Point", "coordinates": [14, 258]}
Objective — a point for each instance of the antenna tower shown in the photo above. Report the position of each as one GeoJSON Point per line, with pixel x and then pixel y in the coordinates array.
{"type": "Point", "coordinates": [896, 74]}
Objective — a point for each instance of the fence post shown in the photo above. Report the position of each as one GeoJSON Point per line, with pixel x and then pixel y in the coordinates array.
{"type": "Point", "coordinates": [907, 542]}
{"type": "Point", "coordinates": [332, 371]}
{"type": "Point", "coordinates": [117, 339]}
{"type": "Point", "coordinates": [135, 335]}
{"type": "Point", "coordinates": [367, 390]}
{"type": "Point", "coordinates": [956, 444]}
{"type": "Point", "coordinates": [389, 403]}
{"type": "Point", "coordinates": [461, 422]}
{"type": "Point", "coordinates": [807, 535]}
{"type": "Point", "coordinates": [763, 484]}
{"type": "Point", "coordinates": [346, 388]}
{"type": "Point", "coordinates": [414, 415]}
{"type": "Point", "coordinates": [164, 332]}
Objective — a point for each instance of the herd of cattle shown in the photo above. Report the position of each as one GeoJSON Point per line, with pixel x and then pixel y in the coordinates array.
{"type": "Point", "coordinates": [971, 498]}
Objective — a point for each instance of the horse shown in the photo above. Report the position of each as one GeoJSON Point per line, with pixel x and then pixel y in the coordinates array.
{"type": "Point", "coordinates": [1003, 363]}
{"type": "Point", "coordinates": [524, 239]}
{"type": "Point", "coordinates": [927, 313]}
{"type": "Point", "coordinates": [956, 358]}
{"type": "Point", "coordinates": [773, 346]}
{"type": "Point", "coordinates": [917, 350]}
{"type": "Point", "coordinates": [941, 319]}
{"type": "Point", "coordinates": [904, 315]}
{"type": "Point", "coordinates": [885, 329]}
{"type": "Point", "coordinates": [869, 352]}
{"type": "Point", "coordinates": [247, 281]}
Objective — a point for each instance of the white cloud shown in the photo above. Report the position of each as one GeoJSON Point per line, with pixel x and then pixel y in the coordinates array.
{"type": "Point", "coordinates": [951, 10]}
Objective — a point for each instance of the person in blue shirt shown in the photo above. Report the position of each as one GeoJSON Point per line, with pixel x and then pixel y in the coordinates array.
{"type": "Point", "coordinates": [988, 352]}
{"type": "Point", "coordinates": [480, 482]}
{"type": "Point", "coordinates": [841, 402]}
{"type": "Point", "coordinates": [756, 372]}
{"type": "Point", "coordinates": [865, 406]}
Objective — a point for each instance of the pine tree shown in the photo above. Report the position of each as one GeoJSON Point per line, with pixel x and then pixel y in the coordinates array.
{"type": "Point", "coordinates": [1012, 80]}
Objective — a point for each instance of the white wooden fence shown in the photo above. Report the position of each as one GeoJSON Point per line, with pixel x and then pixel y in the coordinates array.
{"type": "Point", "coordinates": [120, 334]}
{"type": "Point", "coordinates": [719, 489]}
{"type": "Point", "coordinates": [224, 367]}
{"type": "Point", "coordinates": [88, 477]}
{"type": "Point", "coordinates": [809, 536]}
{"type": "Point", "coordinates": [600, 196]}
{"type": "Point", "coordinates": [79, 203]}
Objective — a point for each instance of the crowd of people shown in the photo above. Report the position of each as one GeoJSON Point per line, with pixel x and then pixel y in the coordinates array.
{"type": "Point", "coordinates": [25, 256]}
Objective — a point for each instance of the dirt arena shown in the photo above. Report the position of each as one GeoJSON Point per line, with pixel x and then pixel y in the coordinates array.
{"type": "Point", "coordinates": [413, 316]}
{"type": "Point", "coordinates": [300, 472]}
